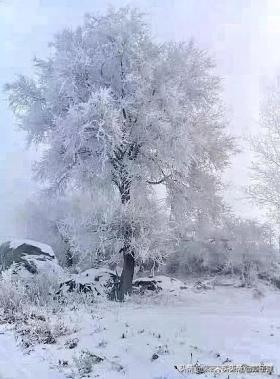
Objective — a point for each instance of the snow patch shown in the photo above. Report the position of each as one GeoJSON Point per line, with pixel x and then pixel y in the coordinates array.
{"type": "Point", "coordinates": [94, 275]}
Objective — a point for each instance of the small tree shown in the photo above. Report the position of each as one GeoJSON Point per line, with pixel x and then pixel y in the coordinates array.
{"type": "Point", "coordinates": [119, 114]}
{"type": "Point", "coordinates": [265, 186]}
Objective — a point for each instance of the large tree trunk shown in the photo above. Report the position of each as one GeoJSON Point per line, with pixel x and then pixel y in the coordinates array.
{"type": "Point", "coordinates": [123, 181]}
{"type": "Point", "coordinates": [125, 286]}
{"type": "Point", "coordinates": [69, 258]}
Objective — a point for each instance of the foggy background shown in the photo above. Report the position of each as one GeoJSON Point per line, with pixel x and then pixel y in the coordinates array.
{"type": "Point", "coordinates": [242, 35]}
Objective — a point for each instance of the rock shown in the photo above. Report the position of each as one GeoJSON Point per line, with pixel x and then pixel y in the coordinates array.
{"type": "Point", "coordinates": [276, 282]}
{"type": "Point", "coordinates": [74, 286]}
{"type": "Point", "coordinates": [224, 281]}
{"type": "Point", "coordinates": [28, 257]}
{"type": "Point", "coordinates": [158, 283]}
{"type": "Point", "coordinates": [95, 281]}
{"type": "Point", "coordinates": [72, 343]}
{"type": "Point", "coordinates": [146, 284]}
{"type": "Point", "coordinates": [204, 285]}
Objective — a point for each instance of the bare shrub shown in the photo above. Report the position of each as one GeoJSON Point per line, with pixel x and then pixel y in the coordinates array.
{"type": "Point", "coordinates": [12, 295]}
{"type": "Point", "coordinates": [40, 329]}
{"type": "Point", "coordinates": [85, 362]}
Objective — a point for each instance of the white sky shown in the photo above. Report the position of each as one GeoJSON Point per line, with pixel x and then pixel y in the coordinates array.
{"type": "Point", "coordinates": [243, 35]}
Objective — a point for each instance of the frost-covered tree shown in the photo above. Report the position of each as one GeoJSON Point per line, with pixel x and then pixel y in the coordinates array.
{"type": "Point", "coordinates": [265, 185]}
{"type": "Point", "coordinates": [96, 233]}
{"type": "Point", "coordinates": [119, 114]}
{"type": "Point", "coordinates": [236, 246]}
{"type": "Point", "coordinates": [252, 248]}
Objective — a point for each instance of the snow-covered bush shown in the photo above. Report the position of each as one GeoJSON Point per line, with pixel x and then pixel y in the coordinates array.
{"type": "Point", "coordinates": [19, 292]}
{"type": "Point", "coordinates": [240, 247]}
{"type": "Point", "coordinates": [30, 304]}
{"type": "Point", "coordinates": [42, 328]}
{"type": "Point", "coordinates": [41, 289]}
{"type": "Point", "coordinates": [85, 362]}
{"type": "Point", "coordinates": [12, 294]}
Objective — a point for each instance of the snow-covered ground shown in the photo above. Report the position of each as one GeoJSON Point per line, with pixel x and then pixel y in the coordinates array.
{"type": "Point", "coordinates": [144, 339]}
{"type": "Point", "coordinates": [14, 364]}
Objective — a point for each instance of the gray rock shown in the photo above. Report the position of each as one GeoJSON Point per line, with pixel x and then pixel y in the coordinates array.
{"type": "Point", "coordinates": [29, 255]}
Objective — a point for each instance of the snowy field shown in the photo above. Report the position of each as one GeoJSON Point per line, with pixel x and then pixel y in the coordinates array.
{"type": "Point", "coordinates": [145, 338]}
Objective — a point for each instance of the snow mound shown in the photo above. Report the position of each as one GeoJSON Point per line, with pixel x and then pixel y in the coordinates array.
{"type": "Point", "coordinates": [94, 275]}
